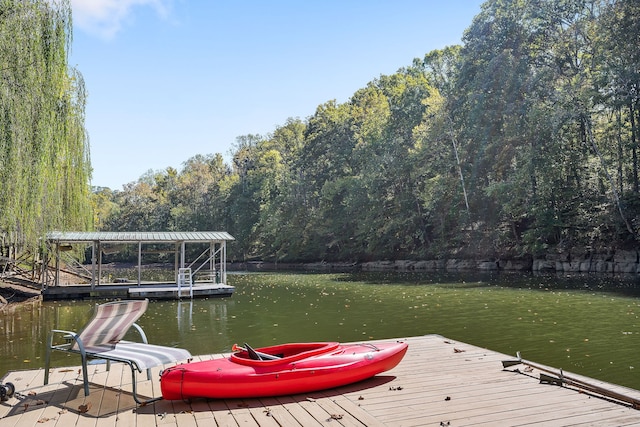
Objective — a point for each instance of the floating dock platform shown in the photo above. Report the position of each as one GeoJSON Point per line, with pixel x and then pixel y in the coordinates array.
{"type": "Point", "coordinates": [440, 382]}
{"type": "Point", "coordinates": [131, 291]}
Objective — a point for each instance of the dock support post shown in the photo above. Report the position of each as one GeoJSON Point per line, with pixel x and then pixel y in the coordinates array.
{"type": "Point", "coordinates": [139, 262]}
{"type": "Point", "coordinates": [93, 265]}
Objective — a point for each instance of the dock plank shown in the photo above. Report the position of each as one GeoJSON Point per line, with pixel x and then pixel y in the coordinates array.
{"type": "Point", "coordinates": [438, 381]}
{"type": "Point", "coordinates": [301, 415]}
{"type": "Point", "coordinates": [263, 415]}
{"type": "Point", "coordinates": [318, 412]}
{"type": "Point", "coordinates": [34, 405]}
{"type": "Point", "coordinates": [241, 413]}
{"type": "Point", "coordinates": [279, 412]}
{"type": "Point", "coordinates": [222, 414]}
{"type": "Point", "coordinates": [356, 411]}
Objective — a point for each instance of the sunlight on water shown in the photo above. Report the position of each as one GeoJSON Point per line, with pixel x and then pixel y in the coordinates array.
{"type": "Point", "coordinates": [587, 326]}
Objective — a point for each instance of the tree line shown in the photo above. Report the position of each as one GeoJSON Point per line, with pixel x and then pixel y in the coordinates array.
{"type": "Point", "coordinates": [521, 141]}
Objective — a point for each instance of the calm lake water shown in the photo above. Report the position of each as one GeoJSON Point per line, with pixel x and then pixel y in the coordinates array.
{"type": "Point", "coordinates": [585, 324]}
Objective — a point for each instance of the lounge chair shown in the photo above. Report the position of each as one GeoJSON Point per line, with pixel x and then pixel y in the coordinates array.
{"type": "Point", "coordinates": [101, 338]}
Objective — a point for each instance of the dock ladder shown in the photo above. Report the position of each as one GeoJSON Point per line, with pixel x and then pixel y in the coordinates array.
{"type": "Point", "coordinates": [185, 281]}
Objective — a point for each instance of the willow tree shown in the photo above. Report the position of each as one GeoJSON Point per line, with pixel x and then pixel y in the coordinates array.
{"type": "Point", "coordinates": [44, 152]}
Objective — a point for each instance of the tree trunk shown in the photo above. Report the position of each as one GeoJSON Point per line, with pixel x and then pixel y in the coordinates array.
{"type": "Point", "coordinates": [634, 151]}
{"type": "Point", "coordinates": [592, 141]}
{"type": "Point", "coordinates": [620, 150]}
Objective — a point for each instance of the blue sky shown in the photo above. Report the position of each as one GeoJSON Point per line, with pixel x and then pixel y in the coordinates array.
{"type": "Point", "coordinates": [169, 79]}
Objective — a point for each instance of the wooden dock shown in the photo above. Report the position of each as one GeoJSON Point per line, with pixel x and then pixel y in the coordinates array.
{"type": "Point", "coordinates": [440, 382]}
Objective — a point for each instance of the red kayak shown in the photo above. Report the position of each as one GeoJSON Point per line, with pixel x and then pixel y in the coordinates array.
{"type": "Point", "coordinates": [280, 370]}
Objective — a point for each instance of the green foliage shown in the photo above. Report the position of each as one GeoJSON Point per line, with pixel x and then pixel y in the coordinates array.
{"type": "Point", "coordinates": [44, 152]}
{"type": "Point", "coordinates": [520, 141]}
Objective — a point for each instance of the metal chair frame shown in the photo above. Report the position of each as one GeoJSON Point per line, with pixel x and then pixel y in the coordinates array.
{"type": "Point", "coordinates": [101, 338]}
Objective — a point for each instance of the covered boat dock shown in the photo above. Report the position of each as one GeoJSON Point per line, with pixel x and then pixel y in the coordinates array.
{"type": "Point", "coordinates": [203, 275]}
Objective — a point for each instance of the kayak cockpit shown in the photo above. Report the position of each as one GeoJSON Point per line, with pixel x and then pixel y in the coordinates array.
{"type": "Point", "coordinates": [279, 354]}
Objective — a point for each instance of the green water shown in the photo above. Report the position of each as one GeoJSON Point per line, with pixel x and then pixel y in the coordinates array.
{"type": "Point", "coordinates": [587, 325]}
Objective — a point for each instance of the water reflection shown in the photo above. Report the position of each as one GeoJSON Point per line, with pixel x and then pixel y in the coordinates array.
{"type": "Point", "coordinates": [587, 325]}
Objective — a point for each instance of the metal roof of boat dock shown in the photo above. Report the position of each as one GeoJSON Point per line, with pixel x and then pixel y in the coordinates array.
{"type": "Point", "coordinates": [138, 236]}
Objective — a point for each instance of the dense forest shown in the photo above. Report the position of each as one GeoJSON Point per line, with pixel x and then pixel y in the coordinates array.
{"type": "Point", "coordinates": [521, 141]}
{"type": "Point", "coordinates": [44, 152]}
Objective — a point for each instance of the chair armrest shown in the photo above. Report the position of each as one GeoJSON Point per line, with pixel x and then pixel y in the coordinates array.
{"type": "Point", "coordinates": [69, 336]}
{"type": "Point", "coordinates": [143, 336]}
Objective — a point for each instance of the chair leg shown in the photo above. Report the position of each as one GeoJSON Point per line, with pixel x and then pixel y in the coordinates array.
{"type": "Point", "coordinates": [47, 359]}
{"type": "Point", "coordinates": [85, 376]}
{"type": "Point", "coordinates": [135, 388]}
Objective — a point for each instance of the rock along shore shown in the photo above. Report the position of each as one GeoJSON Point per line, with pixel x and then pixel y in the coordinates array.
{"type": "Point", "coordinates": [621, 261]}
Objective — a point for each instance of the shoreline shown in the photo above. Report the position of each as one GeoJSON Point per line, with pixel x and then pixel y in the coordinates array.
{"type": "Point", "coordinates": [626, 262]}
{"type": "Point", "coordinates": [13, 293]}
{"type": "Point", "coordinates": [619, 262]}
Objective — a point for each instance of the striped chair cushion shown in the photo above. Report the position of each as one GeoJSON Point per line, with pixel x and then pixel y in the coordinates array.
{"type": "Point", "coordinates": [144, 356]}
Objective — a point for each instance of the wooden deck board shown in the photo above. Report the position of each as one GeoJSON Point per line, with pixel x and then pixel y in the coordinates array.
{"type": "Point", "coordinates": [222, 414]}
{"type": "Point", "coordinates": [438, 381]}
{"type": "Point", "coordinates": [279, 412]}
{"type": "Point", "coordinates": [298, 411]}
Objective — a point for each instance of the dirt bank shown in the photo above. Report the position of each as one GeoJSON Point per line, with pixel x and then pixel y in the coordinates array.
{"type": "Point", "coordinates": [13, 293]}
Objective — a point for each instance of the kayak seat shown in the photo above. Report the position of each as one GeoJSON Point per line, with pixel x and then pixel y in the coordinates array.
{"type": "Point", "coordinates": [254, 355]}
{"type": "Point", "coordinates": [102, 338]}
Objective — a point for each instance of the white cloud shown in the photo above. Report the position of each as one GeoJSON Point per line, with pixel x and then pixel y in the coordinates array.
{"type": "Point", "coordinates": [105, 18]}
